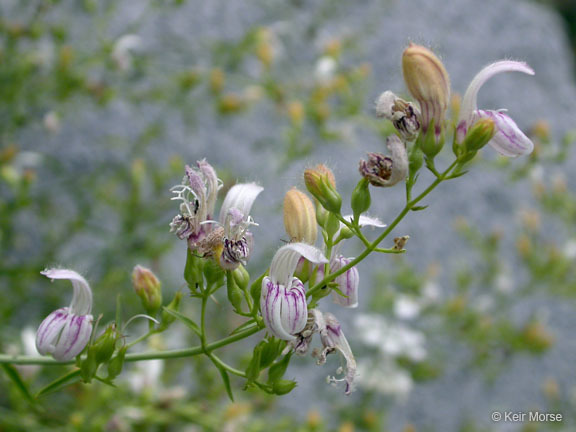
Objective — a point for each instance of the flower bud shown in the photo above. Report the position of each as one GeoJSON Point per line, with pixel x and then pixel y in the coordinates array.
{"type": "Point", "coordinates": [148, 288]}
{"type": "Point", "coordinates": [429, 83]}
{"type": "Point", "coordinates": [385, 171]}
{"type": "Point", "coordinates": [300, 217]}
{"type": "Point", "coordinates": [321, 184]}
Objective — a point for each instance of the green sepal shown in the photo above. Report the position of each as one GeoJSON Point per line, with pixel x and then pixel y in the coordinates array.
{"type": "Point", "coordinates": [235, 294]}
{"type": "Point", "coordinates": [167, 316]}
{"type": "Point", "coordinates": [360, 200]}
{"type": "Point", "coordinates": [117, 363]}
{"type": "Point", "coordinates": [278, 369]}
{"type": "Point", "coordinates": [193, 272]}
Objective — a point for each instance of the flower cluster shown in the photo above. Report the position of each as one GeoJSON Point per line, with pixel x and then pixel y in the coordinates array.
{"type": "Point", "coordinates": [285, 299]}
{"type": "Point", "coordinates": [227, 239]}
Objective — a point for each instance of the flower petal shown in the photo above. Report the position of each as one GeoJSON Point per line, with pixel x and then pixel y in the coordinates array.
{"type": "Point", "coordinates": [469, 102]}
{"type": "Point", "coordinates": [49, 330]}
{"type": "Point", "coordinates": [509, 140]}
{"type": "Point", "coordinates": [286, 259]}
{"type": "Point", "coordinates": [74, 337]}
{"type": "Point", "coordinates": [240, 196]}
{"type": "Point", "coordinates": [82, 299]}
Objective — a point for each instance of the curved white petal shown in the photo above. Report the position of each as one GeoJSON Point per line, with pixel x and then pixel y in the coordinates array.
{"type": "Point", "coordinates": [286, 259]}
{"type": "Point", "coordinates": [509, 139]}
{"type": "Point", "coordinates": [82, 299]}
{"type": "Point", "coordinates": [469, 102]}
{"type": "Point", "coordinates": [240, 196]}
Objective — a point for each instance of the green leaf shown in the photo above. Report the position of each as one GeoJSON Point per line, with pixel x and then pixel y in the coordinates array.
{"type": "Point", "coordinates": [419, 208]}
{"type": "Point", "coordinates": [13, 374]}
{"type": "Point", "coordinates": [226, 381]}
{"type": "Point", "coordinates": [69, 378]}
{"type": "Point", "coordinates": [187, 321]}
{"type": "Point", "coordinates": [244, 326]}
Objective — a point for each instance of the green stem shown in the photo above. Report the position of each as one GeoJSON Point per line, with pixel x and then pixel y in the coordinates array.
{"type": "Point", "coordinates": [369, 249]}
{"type": "Point", "coordinates": [170, 354]}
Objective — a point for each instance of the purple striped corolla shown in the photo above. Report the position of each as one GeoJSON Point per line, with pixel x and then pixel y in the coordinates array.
{"type": "Point", "coordinates": [66, 331]}
{"type": "Point", "coordinates": [509, 139]}
{"type": "Point", "coordinates": [283, 298]}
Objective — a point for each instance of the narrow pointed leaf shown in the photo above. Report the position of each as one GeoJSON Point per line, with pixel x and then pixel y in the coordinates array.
{"type": "Point", "coordinates": [69, 378]}
{"type": "Point", "coordinates": [187, 321]}
{"type": "Point", "coordinates": [15, 377]}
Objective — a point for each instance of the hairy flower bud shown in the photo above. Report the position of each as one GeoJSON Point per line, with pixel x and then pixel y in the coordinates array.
{"type": "Point", "coordinates": [385, 171]}
{"type": "Point", "coordinates": [300, 217]}
{"type": "Point", "coordinates": [148, 288]}
{"type": "Point", "coordinates": [321, 184]}
{"type": "Point", "coordinates": [429, 83]}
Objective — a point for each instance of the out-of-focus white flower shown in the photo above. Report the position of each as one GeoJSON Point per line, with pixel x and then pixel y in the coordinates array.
{"type": "Point", "coordinates": [569, 249]}
{"type": "Point", "coordinates": [393, 339]}
{"type": "Point", "coordinates": [406, 307]}
{"type": "Point", "coordinates": [51, 122]}
{"type": "Point", "coordinates": [384, 377]}
{"type": "Point", "coordinates": [123, 49]}
{"type": "Point", "coordinates": [146, 375]}
{"type": "Point", "coordinates": [66, 331]}
{"type": "Point", "coordinates": [325, 69]}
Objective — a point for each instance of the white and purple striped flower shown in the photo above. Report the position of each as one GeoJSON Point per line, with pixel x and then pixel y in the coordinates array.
{"type": "Point", "coordinates": [348, 282]}
{"type": "Point", "coordinates": [197, 193]}
{"type": "Point", "coordinates": [66, 331]}
{"type": "Point", "coordinates": [332, 338]}
{"type": "Point", "coordinates": [235, 218]}
{"type": "Point", "coordinates": [509, 139]}
{"type": "Point", "coordinates": [283, 299]}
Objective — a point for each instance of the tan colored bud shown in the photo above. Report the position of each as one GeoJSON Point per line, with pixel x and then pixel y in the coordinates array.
{"type": "Point", "coordinates": [148, 288]}
{"type": "Point", "coordinates": [325, 171]}
{"type": "Point", "coordinates": [429, 83]}
{"type": "Point", "coordinates": [321, 184]}
{"type": "Point", "coordinates": [300, 217]}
